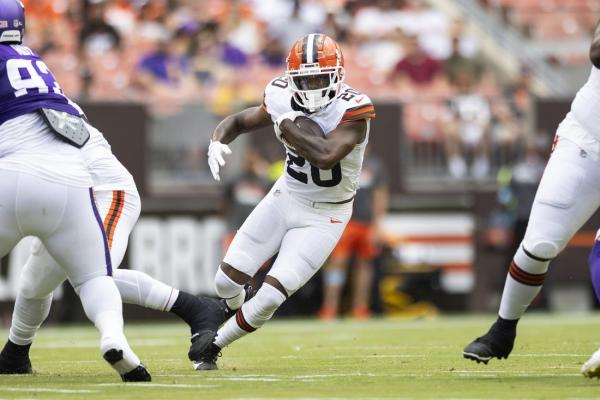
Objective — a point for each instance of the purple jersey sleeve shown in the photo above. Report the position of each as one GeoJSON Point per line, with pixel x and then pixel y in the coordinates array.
{"type": "Point", "coordinates": [26, 85]}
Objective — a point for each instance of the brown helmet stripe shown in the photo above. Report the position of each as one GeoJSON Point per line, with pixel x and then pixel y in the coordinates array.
{"type": "Point", "coordinates": [304, 45]}
{"type": "Point", "coordinates": [315, 48]}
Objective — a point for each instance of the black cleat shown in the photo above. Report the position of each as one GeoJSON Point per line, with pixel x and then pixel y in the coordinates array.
{"type": "Point", "coordinates": [138, 374]}
{"type": "Point", "coordinates": [496, 343]}
{"type": "Point", "coordinates": [203, 352]}
{"type": "Point", "coordinates": [14, 359]}
{"type": "Point", "coordinates": [200, 312]}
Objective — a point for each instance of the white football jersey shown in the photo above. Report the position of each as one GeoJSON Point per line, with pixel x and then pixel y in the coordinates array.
{"type": "Point", "coordinates": [586, 105]}
{"type": "Point", "coordinates": [106, 170]}
{"type": "Point", "coordinates": [582, 123]}
{"type": "Point", "coordinates": [27, 145]}
{"type": "Point", "coordinates": [305, 180]}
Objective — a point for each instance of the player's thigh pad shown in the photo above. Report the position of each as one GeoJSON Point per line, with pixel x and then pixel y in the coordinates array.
{"type": "Point", "coordinates": [41, 275]}
{"type": "Point", "coordinates": [568, 194]}
{"type": "Point", "coordinates": [119, 210]}
{"type": "Point", "coordinates": [79, 244]}
{"type": "Point", "coordinates": [259, 237]}
{"type": "Point", "coordinates": [304, 249]}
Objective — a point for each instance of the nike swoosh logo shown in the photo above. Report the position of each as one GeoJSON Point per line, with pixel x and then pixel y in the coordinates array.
{"type": "Point", "coordinates": [335, 221]}
{"type": "Point", "coordinates": [360, 99]}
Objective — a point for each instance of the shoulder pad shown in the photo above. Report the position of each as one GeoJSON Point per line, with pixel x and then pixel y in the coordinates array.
{"type": "Point", "coordinates": [277, 97]}
{"type": "Point", "coordinates": [357, 106]}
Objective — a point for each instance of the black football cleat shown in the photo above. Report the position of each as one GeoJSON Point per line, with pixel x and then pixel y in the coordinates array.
{"type": "Point", "coordinates": [137, 374]}
{"type": "Point", "coordinates": [203, 352]}
{"type": "Point", "coordinates": [200, 312]}
{"type": "Point", "coordinates": [496, 343]}
{"type": "Point", "coordinates": [14, 359]}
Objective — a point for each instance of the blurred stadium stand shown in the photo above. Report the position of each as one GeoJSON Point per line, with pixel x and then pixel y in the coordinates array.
{"type": "Point", "coordinates": [157, 76]}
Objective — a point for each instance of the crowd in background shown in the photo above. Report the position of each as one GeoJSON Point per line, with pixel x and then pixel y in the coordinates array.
{"type": "Point", "coordinates": [222, 53]}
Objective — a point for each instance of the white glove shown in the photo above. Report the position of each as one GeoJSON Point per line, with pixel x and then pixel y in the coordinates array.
{"type": "Point", "coordinates": [291, 115]}
{"type": "Point", "coordinates": [216, 150]}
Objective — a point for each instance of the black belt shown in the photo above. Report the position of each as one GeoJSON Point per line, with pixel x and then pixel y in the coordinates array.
{"type": "Point", "coordinates": [337, 202]}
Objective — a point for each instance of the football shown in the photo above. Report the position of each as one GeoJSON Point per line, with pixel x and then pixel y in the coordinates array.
{"type": "Point", "coordinates": [309, 125]}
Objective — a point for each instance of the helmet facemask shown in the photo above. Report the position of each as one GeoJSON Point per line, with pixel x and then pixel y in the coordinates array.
{"type": "Point", "coordinates": [314, 86]}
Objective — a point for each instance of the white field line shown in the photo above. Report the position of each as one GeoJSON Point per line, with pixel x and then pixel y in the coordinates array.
{"type": "Point", "coordinates": [236, 379]}
{"type": "Point", "coordinates": [315, 398]}
{"type": "Point", "coordinates": [159, 385]}
{"type": "Point", "coordinates": [384, 356]}
{"type": "Point", "coordinates": [49, 390]}
{"type": "Point", "coordinates": [94, 343]}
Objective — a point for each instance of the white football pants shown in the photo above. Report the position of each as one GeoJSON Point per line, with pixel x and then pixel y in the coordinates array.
{"type": "Point", "coordinates": [65, 218]}
{"type": "Point", "coordinates": [119, 211]}
{"type": "Point", "coordinates": [568, 195]}
{"type": "Point", "coordinates": [302, 232]}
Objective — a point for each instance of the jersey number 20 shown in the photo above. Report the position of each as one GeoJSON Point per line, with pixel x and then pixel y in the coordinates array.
{"type": "Point", "coordinates": [315, 173]}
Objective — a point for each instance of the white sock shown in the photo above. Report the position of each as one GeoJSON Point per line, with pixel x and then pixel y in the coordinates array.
{"type": "Point", "coordinates": [251, 316]}
{"type": "Point", "coordinates": [523, 282]}
{"type": "Point", "coordinates": [139, 288]}
{"type": "Point", "coordinates": [27, 317]}
{"type": "Point", "coordinates": [102, 305]}
{"type": "Point", "coordinates": [232, 292]}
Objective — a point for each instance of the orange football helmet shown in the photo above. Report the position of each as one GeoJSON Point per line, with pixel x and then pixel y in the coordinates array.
{"type": "Point", "coordinates": [315, 71]}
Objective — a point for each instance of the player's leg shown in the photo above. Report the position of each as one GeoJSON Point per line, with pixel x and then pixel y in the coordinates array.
{"type": "Point", "coordinates": [120, 210]}
{"type": "Point", "coordinates": [335, 274]}
{"type": "Point", "coordinates": [257, 240]}
{"type": "Point", "coordinates": [591, 368]}
{"type": "Point", "coordinates": [303, 251]}
{"type": "Point", "coordinates": [594, 264]}
{"type": "Point", "coordinates": [13, 358]}
{"type": "Point", "coordinates": [79, 244]}
{"type": "Point", "coordinates": [568, 195]}
{"type": "Point", "coordinates": [39, 278]}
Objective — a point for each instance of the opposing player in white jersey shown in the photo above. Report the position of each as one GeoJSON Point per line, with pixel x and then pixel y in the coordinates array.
{"type": "Point", "coordinates": [45, 188]}
{"type": "Point", "coordinates": [568, 194]}
{"type": "Point", "coordinates": [119, 207]}
{"type": "Point", "coordinates": [306, 211]}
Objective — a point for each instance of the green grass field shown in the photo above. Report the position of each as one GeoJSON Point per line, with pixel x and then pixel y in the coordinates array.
{"type": "Point", "coordinates": [313, 360]}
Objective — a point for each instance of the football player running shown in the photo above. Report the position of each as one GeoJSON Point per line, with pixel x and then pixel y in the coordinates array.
{"type": "Point", "coordinates": [568, 194]}
{"type": "Point", "coordinates": [306, 211]}
{"type": "Point", "coordinates": [119, 207]}
{"type": "Point", "coordinates": [45, 188]}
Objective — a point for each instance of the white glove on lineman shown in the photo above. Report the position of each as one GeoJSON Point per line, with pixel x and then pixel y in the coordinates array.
{"type": "Point", "coordinates": [291, 115]}
{"type": "Point", "coordinates": [216, 150]}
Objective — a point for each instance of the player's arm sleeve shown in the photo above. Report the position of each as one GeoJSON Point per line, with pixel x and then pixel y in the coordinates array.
{"type": "Point", "coordinates": [356, 112]}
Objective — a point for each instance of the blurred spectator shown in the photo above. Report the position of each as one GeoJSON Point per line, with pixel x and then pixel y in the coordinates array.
{"type": "Point", "coordinates": [304, 17]}
{"type": "Point", "coordinates": [417, 65]}
{"type": "Point", "coordinates": [468, 130]}
{"type": "Point", "coordinates": [459, 64]}
{"type": "Point", "coordinates": [167, 73]}
{"type": "Point", "coordinates": [526, 176]}
{"type": "Point", "coordinates": [97, 36]}
{"type": "Point", "coordinates": [359, 241]}
{"type": "Point", "coordinates": [245, 191]}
